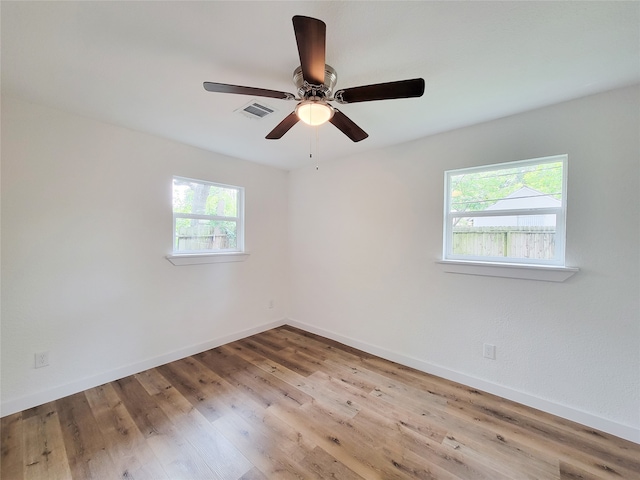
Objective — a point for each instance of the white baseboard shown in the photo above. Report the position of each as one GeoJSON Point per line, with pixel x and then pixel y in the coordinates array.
{"type": "Point", "coordinates": [584, 418]}
{"type": "Point", "coordinates": [28, 401]}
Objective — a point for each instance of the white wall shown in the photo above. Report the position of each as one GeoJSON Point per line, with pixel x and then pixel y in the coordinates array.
{"type": "Point", "coordinates": [366, 231]}
{"type": "Point", "coordinates": [86, 225]}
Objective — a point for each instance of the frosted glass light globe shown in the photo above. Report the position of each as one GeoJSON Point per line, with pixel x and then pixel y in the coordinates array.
{"type": "Point", "coordinates": [314, 112]}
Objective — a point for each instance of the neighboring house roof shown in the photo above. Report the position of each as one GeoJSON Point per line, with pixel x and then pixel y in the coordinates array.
{"type": "Point", "coordinates": [521, 199]}
{"type": "Point", "coordinates": [525, 198]}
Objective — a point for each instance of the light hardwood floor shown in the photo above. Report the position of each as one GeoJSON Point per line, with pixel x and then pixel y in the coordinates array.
{"type": "Point", "coordinates": [288, 404]}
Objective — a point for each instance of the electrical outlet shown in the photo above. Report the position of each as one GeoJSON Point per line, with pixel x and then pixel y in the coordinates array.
{"type": "Point", "coordinates": [489, 351]}
{"type": "Point", "coordinates": [42, 359]}
{"type": "Point", "coordinates": [270, 304]}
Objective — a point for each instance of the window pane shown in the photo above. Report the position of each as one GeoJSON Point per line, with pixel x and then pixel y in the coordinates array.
{"type": "Point", "coordinates": [204, 199]}
{"type": "Point", "coordinates": [520, 187]}
{"type": "Point", "coordinates": [199, 235]}
{"type": "Point", "coordinates": [514, 236]}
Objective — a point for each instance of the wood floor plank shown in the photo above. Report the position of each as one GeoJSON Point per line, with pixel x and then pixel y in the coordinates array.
{"type": "Point", "coordinates": [537, 439]}
{"type": "Point", "coordinates": [265, 350]}
{"type": "Point", "coordinates": [509, 414]}
{"type": "Point", "coordinates": [339, 400]}
{"type": "Point", "coordinates": [265, 388]}
{"type": "Point", "coordinates": [323, 465]}
{"type": "Point", "coordinates": [432, 420]}
{"type": "Point", "coordinates": [572, 472]}
{"type": "Point", "coordinates": [224, 460]}
{"type": "Point", "coordinates": [12, 458]}
{"type": "Point", "coordinates": [44, 451]}
{"type": "Point", "coordinates": [331, 431]}
{"type": "Point", "coordinates": [324, 437]}
{"type": "Point", "coordinates": [129, 450]}
{"type": "Point", "coordinates": [254, 474]}
{"type": "Point", "coordinates": [264, 453]}
{"type": "Point", "coordinates": [199, 385]}
{"type": "Point", "coordinates": [271, 366]}
{"type": "Point", "coordinates": [178, 457]}
{"type": "Point", "coordinates": [245, 406]}
{"type": "Point", "coordinates": [352, 375]}
{"type": "Point", "coordinates": [507, 456]}
{"type": "Point", "coordinates": [329, 344]}
{"type": "Point", "coordinates": [212, 385]}
{"type": "Point", "coordinates": [463, 464]}
{"type": "Point", "coordinates": [86, 449]}
{"type": "Point", "coordinates": [289, 404]}
{"type": "Point", "coordinates": [556, 433]}
{"type": "Point", "coordinates": [294, 443]}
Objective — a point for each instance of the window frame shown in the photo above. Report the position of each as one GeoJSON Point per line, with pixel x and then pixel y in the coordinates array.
{"type": "Point", "coordinates": [560, 212]}
{"type": "Point", "coordinates": [238, 219]}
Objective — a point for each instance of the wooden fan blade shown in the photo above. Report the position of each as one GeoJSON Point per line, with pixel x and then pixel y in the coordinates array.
{"type": "Point", "coordinates": [237, 89]}
{"type": "Point", "coordinates": [347, 126]}
{"type": "Point", "coordinates": [311, 38]}
{"type": "Point", "coordinates": [283, 127]}
{"type": "Point", "coordinates": [382, 91]}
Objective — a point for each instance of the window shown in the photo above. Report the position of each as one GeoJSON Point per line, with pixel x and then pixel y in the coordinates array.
{"type": "Point", "coordinates": [207, 217]}
{"type": "Point", "coordinates": [510, 213]}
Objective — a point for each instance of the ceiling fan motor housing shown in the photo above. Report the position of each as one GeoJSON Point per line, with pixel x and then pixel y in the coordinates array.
{"type": "Point", "coordinates": [306, 90]}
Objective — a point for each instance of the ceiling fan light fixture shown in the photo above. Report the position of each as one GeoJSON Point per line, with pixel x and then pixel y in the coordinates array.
{"type": "Point", "coordinates": [314, 112]}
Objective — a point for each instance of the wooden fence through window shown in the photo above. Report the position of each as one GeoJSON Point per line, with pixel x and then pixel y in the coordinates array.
{"type": "Point", "coordinates": [202, 237]}
{"type": "Point", "coordinates": [516, 242]}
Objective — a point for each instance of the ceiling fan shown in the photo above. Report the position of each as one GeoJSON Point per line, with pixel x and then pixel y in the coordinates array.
{"type": "Point", "coordinates": [315, 82]}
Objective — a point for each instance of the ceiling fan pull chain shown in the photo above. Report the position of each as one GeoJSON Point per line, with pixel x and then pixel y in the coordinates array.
{"type": "Point", "coordinates": [310, 146]}
{"type": "Point", "coordinates": [317, 129]}
{"type": "Point", "coordinates": [317, 145]}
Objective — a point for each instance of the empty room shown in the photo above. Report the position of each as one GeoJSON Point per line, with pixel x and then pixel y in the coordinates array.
{"type": "Point", "coordinates": [351, 240]}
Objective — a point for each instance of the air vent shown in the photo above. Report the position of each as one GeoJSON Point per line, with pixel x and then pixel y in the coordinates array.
{"type": "Point", "coordinates": [256, 110]}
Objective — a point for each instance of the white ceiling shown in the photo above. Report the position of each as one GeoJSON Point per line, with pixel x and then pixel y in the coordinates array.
{"type": "Point", "coordinates": [142, 64]}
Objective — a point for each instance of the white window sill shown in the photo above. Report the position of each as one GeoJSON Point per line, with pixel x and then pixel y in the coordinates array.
{"type": "Point", "coordinates": [522, 271]}
{"type": "Point", "coordinates": [180, 259]}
